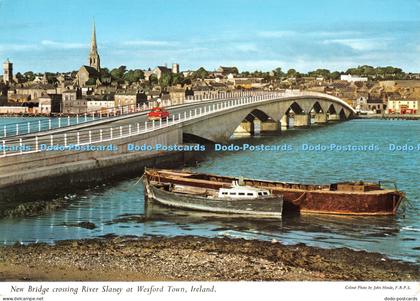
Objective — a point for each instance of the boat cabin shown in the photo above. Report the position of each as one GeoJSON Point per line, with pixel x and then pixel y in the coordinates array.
{"type": "Point", "coordinates": [243, 192]}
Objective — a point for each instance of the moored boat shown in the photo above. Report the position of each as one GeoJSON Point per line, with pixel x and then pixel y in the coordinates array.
{"type": "Point", "coordinates": [232, 199]}
{"type": "Point", "coordinates": [345, 198]}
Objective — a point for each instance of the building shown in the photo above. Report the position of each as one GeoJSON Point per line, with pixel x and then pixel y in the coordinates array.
{"type": "Point", "coordinates": [160, 70]}
{"type": "Point", "coordinates": [178, 94]}
{"type": "Point", "coordinates": [72, 103]}
{"type": "Point", "coordinates": [87, 76]}
{"type": "Point", "coordinates": [351, 78]}
{"type": "Point", "coordinates": [98, 103]}
{"type": "Point", "coordinates": [403, 106]}
{"type": "Point", "coordinates": [90, 75]}
{"type": "Point", "coordinates": [50, 103]}
{"type": "Point", "coordinates": [129, 98]}
{"type": "Point", "coordinates": [227, 70]}
{"type": "Point", "coordinates": [34, 91]}
{"type": "Point", "coordinates": [175, 68]}
{"type": "Point", "coordinates": [94, 59]}
{"type": "Point", "coordinates": [7, 72]}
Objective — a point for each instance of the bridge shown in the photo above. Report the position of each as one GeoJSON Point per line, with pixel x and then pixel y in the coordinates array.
{"type": "Point", "coordinates": [102, 148]}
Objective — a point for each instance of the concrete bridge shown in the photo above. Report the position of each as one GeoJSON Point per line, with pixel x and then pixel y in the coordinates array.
{"type": "Point", "coordinates": [103, 149]}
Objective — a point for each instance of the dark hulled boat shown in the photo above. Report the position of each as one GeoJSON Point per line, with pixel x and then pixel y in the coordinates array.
{"type": "Point", "coordinates": [347, 198]}
{"type": "Point", "coordinates": [235, 200]}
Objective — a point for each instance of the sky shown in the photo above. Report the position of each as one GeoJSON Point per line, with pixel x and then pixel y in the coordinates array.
{"type": "Point", "coordinates": [52, 35]}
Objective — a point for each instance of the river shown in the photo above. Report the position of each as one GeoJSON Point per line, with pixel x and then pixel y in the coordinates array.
{"type": "Point", "coordinates": [118, 209]}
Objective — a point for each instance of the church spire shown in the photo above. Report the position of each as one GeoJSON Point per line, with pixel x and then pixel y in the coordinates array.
{"type": "Point", "coordinates": [94, 47]}
{"type": "Point", "coordinates": [94, 60]}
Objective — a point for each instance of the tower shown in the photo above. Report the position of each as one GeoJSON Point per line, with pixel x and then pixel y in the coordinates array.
{"type": "Point", "coordinates": [94, 60]}
{"type": "Point", "coordinates": [7, 72]}
{"type": "Point", "coordinates": [175, 68]}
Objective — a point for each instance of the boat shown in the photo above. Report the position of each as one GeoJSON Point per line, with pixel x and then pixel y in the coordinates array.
{"type": "Point", "coordinates": [343, 198]}
{"type": "Point", "coordinates": [232, 199]}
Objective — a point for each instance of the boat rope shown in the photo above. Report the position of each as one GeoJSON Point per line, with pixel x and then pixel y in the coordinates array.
{"type": "Point", "coordinates": [139, 180]}
{"type": "Point", "coordinates": [299, 198]}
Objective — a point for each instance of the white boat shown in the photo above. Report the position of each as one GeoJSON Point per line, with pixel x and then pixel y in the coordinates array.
{"type": "Point", "coordinates": [236, 200]}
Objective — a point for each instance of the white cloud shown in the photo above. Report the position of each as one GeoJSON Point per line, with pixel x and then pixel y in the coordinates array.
{"type": "Point", "coordinates": [276, 33]}
{"type": "Point", "coordinates": [246, 47]}
{"type": "Point", "coordinates": [63, 45]}
{"type": "Point", "coordinates": [148, 43]}
{"type": "Point", "coordinates": [359, 44]}
{"type": "Point", "coordinates": [18, 47]}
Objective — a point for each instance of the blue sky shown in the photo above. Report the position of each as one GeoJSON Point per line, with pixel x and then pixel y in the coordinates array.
{"type": "Point", "coordinates": [52, 35]}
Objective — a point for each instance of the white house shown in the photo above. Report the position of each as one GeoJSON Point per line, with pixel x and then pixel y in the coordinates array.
{"type": "Point", "coordinates": [353, 78]}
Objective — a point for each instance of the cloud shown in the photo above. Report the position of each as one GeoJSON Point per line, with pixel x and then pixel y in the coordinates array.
{"type": "Point", "coordinates": [276, 34]}
{"type": "Point", "coordinates": [246, 47]}
{"type": "Point", "coordinates": [359, 44]}
{"type": "Point", "coordinates": [62, 45]}
{"type": "Point", "coordinates": [148, 43]}
{"type": "Point", "coordinates": [18, 47]}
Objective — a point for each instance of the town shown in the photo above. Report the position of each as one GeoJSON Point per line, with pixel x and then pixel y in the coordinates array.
{"type": "Point", "coordinates": [369, 90]}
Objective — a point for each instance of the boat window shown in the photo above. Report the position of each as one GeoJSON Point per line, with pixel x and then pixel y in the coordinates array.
{"type": "Point", "coordinates": [241, 193]}
{"type": "Point", "coordinates": [259, 193]}
{"type": "Point", "coordinates": [265, 193]}
{"type": "Point", "coordinates": [225, 193]}
{"type": "Point", "coordinates": [232, 193]}
{"type": "Point", "coordinates": [250, 193]}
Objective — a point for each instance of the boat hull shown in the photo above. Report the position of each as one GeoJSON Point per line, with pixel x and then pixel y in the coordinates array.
{"type": "Point", "coordinates": [271, 207]}
{"type": "Point", "coordinates": [314, 199]}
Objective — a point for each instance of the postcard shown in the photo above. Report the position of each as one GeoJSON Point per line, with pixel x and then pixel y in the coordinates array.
{"type": "Point", "coordinates": [209, 149]}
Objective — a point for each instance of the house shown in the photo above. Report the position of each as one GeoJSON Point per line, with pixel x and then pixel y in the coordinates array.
{"type": "Point", "coordinates": [34, 91]}
{"type": "Point", "coordinates": [72, 102]}
{"type": "Point", "coordinates": [50, 103]}
{"type": "Point", "coordinates": [178, 94]}
{"type": "Point", "coordinates": [227, 70]}
{"type": "Point", "coordinates": [375, 104]}
{"type": "Point", "coordinates": [99, 103]}
{"type": "Point", "coordinates": [403, 106]}
{"type": "Point", "coordinates": [129, 98]}
{"type": "Point", "coordinates": [353, 78]}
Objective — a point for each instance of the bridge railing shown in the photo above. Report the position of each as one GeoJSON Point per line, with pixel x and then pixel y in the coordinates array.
{"type": "Point", "coordinates": [42, 125]}
{"type": "Point", "coordinates": [81, 140]}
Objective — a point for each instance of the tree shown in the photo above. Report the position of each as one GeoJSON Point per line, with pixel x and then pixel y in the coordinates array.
{"type": "Point", "coordinates": [118, 73]}
{"type": "Point", "coordinates": [105, 73]}
{"type": "Point", "coordinates": [30, 76]}
{"type": "Point", "coordinates": [20, 77]}
{"type": "Point", "coordinates": [200, 73]}
{"type": "Point", "coordinates": [291, 73]}
{"type": "Point", "coordinates": [165, 80]}
{"type": "Point", "coordinates": [133, 75]}
{"type": "Point", "coordinates": [153, 80]}
{"type": "Point", "coordinates": [335, 75]}
{"type": "Point", "coordinates": [177, 79]}
{"type": "Point", "coordinates": [278, 73]}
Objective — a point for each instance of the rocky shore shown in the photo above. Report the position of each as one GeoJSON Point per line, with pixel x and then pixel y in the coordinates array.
{"type": "Point", "coordinates": [194, 259]}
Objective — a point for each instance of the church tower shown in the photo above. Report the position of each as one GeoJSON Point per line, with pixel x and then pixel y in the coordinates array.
{"type": "Point", "coordinates": [94, 60]}
{"type": "Point", "coordinates": [7, 72]}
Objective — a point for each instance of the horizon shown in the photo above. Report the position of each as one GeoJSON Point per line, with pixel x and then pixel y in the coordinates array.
{"type": "Point", "coordinates": [41, 36]}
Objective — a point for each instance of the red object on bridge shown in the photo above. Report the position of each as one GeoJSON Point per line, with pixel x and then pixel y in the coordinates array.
{"type": "Point", "coordinates": [158, 113]}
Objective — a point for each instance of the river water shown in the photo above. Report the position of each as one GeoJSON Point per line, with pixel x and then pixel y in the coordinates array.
{"type": "Point", "coordinates": [119, 208]}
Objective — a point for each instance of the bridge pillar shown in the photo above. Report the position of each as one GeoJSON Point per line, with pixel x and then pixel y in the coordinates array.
{"type": "Point", "coordinates": [302, 120]}
{"type": "Point", "coordinates": [270, 126]}
{"type": "Point", "coordinates": [284, 122]}
{"type": "Point", "coordinates": [321, 118]}
{"type": "Point", "coordinates": [334, 117]}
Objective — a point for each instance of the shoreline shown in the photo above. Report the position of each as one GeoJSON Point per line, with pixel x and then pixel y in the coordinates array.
{"type": "Point", "coordinates": [190, 258]}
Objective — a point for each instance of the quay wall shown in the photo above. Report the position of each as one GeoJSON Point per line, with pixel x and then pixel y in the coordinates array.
{"type": "Point", "coordinates": [47, 174]}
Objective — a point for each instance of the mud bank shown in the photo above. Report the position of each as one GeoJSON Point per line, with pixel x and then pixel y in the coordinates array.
{"type": "Point", "coordinates": [194, 259]}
